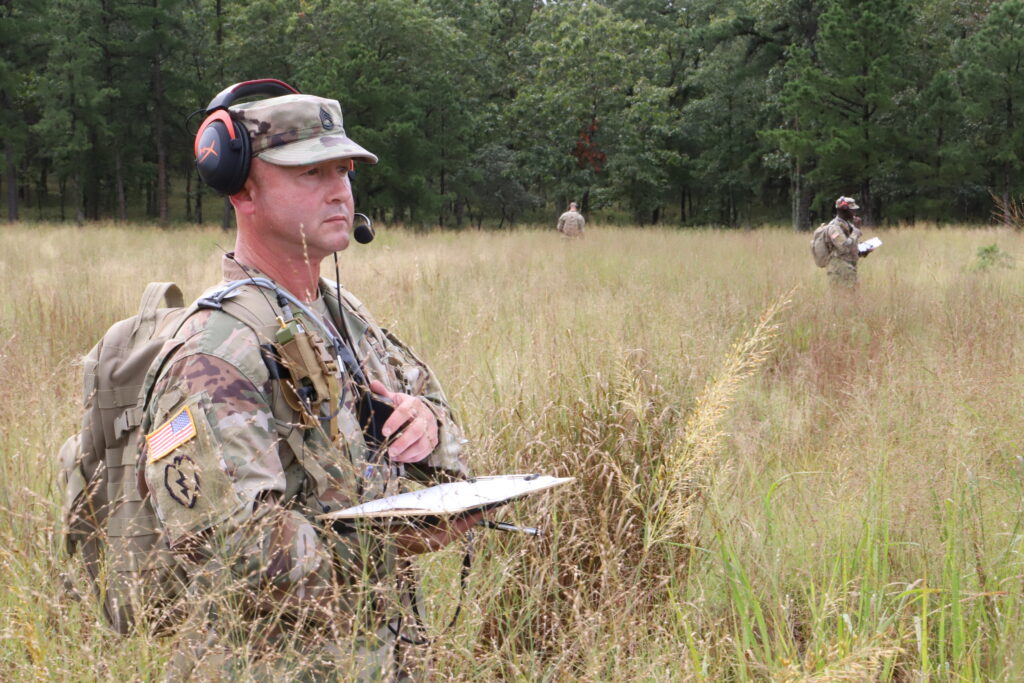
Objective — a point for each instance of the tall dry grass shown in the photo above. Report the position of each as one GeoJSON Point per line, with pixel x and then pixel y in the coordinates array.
{"type": "Point", "coordinates": [773, 483]}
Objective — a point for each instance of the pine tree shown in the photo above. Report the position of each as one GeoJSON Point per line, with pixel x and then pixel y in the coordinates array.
{"type": "Point", "coordinates": [992, 77]}
{"type": "Point", "coordinates": [22, 46]}
{"type": "Point", "coordinates": [842, 97]}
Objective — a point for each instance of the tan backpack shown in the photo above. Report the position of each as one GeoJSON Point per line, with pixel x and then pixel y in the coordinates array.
{"type": "Point", "coordinates": [105, 518]}
{"type": "Point", "coordinates": [133, 572]}
{"type": "Point", "coordinates": [820, 247]}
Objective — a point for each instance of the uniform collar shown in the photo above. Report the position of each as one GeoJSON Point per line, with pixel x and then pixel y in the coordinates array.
{"type": "Point", "coordinates": [232, 270]}
{"type": "Point", "coordinates": [355, 327]}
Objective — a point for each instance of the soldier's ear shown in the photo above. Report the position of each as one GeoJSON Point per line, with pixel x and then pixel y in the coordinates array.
{"type": "Point", "coordinates": [244, 199]}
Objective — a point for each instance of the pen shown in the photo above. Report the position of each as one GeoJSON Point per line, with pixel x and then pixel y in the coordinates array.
{"type": "Point", "coordinates": [504, 526]}
{"type": "Point", "coordinates": [398, 469]}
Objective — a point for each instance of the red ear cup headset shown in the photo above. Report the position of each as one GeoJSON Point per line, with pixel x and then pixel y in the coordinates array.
{"type": "Point", "coordinates": [222, 148]}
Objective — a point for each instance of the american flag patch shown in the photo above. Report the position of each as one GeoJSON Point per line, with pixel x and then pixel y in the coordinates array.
{"type": "Point", "coordinates": [170, 435]}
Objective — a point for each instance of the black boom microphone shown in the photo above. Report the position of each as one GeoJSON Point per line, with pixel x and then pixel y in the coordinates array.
{"type": "Point", "coordinates": [364, 229]}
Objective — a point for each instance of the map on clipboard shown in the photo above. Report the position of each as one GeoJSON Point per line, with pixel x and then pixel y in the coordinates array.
{"type": "Point", "coordinates": [454, 498]}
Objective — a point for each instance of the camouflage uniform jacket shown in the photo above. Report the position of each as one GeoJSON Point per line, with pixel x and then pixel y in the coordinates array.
{"type": "Point", "coordinates": [843, 237]}
{"type": "Point", "coordinates": [239, 480]}
{"type": "Point", "coordinates": [571, 223]}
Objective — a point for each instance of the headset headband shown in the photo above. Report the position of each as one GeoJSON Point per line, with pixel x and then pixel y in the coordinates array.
{"type": "Point", "coordinates": [261, 86]}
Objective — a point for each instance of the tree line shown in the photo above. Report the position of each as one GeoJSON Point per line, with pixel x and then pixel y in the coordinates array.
{"type": "Point", "coordinates": [489, 112]}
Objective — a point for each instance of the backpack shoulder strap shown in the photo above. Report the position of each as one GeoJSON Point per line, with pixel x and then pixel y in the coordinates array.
{"type": "Point", "coordinates": [241, 304]}
{"type": "Point", "coordinates": [156, 292]}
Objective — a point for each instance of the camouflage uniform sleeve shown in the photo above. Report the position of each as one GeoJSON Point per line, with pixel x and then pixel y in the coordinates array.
{"type": "Point", "coordinates": [215, 492]}
{"type": "Point", "coordinates": [561, 223]}
{"type": "Point", "coordinates": [841, 243]}
{"type": "Point", "coordinates": [419, 380]}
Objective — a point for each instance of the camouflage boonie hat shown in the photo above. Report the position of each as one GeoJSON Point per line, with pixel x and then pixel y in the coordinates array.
{"type": "Point", "coordinates": [847, 203]}
{"type": "Point", "coordinates": [295, 130]}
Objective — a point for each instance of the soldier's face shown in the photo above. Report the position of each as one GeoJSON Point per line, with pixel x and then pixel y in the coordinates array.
{"type": "Point", "coordinates": [303, 209]}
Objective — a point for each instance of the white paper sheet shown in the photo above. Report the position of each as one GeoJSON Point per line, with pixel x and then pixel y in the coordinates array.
{"type": "Point", "coordinates": [453, 498]}
{"type": "Point", "coordinates": [869, 245]}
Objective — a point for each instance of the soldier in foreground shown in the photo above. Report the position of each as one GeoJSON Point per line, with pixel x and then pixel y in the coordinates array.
{"type": "Point", "coordinates": [571, 222]}
{"type": "Point", "coordinates": [842, 236]}
{"type": "Point", "coordinates": [261, 418]}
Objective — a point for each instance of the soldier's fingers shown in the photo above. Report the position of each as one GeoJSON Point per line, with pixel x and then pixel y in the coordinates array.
{"type": "Point", "coordinates": [402, 420]}
{"type": "Point", "coordinates": [397, 422]}
{"type": "Point", "coordinates": [416, 442]}
{"type": "Point", "coordinates": [377, 387]}
{"type": "Point", "coordinates": [413, 451]}
{"type": "Point", "coordinates": [407, 410]}
{"type": "Point", "coordinates": [399, 448]}
{"type": "Point", "coordinates": [425, 541]}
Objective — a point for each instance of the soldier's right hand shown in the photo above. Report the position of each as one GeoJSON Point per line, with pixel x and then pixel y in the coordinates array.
{"type": "Point", "coordinates": [418, 438]}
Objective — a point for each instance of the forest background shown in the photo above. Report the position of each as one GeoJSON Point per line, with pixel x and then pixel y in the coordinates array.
{"type": "Point", "coordinates": [492, 112]}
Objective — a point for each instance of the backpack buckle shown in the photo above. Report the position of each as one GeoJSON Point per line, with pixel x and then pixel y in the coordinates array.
{"type": "Point", "coordinates": [127, 421]}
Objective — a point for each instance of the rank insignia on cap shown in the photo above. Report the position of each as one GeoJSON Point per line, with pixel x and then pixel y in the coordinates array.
{"type": "Point", "coordinates": [325, 119]}
{"type": "Point", "coordinates": [176, 431]}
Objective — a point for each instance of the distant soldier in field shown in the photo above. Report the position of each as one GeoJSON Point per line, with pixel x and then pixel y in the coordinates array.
{"type": "Point", "coordinates": [571, 222]}
{"type": "Point", "coordinates": [259, 423]}
{"type": "Point", "coordinates": [842, 235]}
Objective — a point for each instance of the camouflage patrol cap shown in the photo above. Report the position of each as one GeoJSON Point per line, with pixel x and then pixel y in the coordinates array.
{"type": "Point", "coordinates": [847, 203]}
{"type": "Point", "coordinates": [294, 130]}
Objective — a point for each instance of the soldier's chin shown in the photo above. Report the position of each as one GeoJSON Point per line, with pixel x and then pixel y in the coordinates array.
{"type": "Point", "coordinates": [339, 241]}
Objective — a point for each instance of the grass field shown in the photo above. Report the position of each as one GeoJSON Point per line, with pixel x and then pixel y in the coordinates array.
{"type": "Point", "coordinates": [773, 482]}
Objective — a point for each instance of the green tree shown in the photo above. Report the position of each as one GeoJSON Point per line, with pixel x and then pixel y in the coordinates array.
{"type": "Point", "coordinates": [224, 49]}
{"type": "Point", "coordinates": [992, 77]}
{"type": "Point", "coordinates": [110, 102]}
{"type": "Point", "coordinates": [770, 31]}
{"type": "Point", "coordinates": [572, 92]}
{"type": "Point", "coordinates": [939, 174]}
{"type": "Point", "coordinates": [651, 163]}
{"type": "Point", "coordinates": [498, 109]}
{"type": "Point", "coordinates": [726, 92]}
{"type": "Point", "coordinates": [401, 72]}
{"type": "Point", "coordinates": [71, 96]}
{"type": "Point", "coordinates": [162, 39]}
{"type": "Point", "coordinates": [645, 157]}
{"type": "Point", "coordinates": [22, 46]}
{"type": "Point", "coordinates": [842, 98]}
